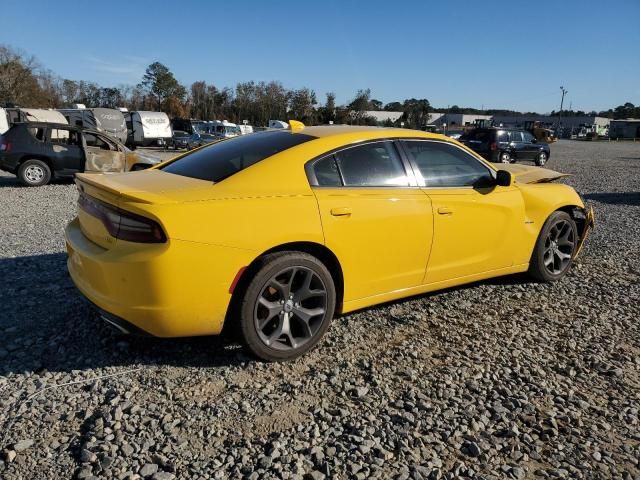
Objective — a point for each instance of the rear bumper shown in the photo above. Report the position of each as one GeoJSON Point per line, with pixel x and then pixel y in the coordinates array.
{"type": "Point", "coordinates": [166, 290]}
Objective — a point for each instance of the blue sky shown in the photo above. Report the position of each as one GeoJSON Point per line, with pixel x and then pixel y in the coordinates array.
{"type": "Point", "coordinates": [510, 54]}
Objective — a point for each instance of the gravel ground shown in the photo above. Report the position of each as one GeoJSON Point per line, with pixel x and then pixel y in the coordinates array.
{"type": "Point", "coordinates": [499, 379]}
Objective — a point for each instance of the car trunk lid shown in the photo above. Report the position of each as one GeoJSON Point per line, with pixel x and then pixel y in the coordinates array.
{"type": "Point", "coordinates": [120, 191]}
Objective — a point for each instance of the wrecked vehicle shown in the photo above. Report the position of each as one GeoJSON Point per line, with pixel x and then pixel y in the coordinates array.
{"type": "Point", "coordinates": [37, 152]}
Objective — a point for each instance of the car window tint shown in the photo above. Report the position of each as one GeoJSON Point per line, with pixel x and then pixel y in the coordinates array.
{"type": "Point", "coordinates": [326, 172]}
{"type": "Point", "coordinates": [503, 137]}
{"type": "Point", "coordinates": [371, 165]}
{"type": "Point", "coordinates": [516, 136]}
{"type": "Point", "coordinates": [223, 159]}
{"type": "Point", "coordinates": [528, 137]}
{"type": "Point", "coordinates": [444, 165]}
{"type": "Point", "coordinates": [38, 133]}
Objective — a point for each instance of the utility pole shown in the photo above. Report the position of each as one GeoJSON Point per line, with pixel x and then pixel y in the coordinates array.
{"type": "Point", "coordinates": [564, 92]}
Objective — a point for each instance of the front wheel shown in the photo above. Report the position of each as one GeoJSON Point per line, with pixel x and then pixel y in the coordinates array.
{"type": "Point", "coordinates": [541, 159]}
{"type": "Point", "coordinates": [556, 245]}
{"type": "Point", "coordinates": [34, 173]}
{"type": "Point", "coordinates": [287, 307]}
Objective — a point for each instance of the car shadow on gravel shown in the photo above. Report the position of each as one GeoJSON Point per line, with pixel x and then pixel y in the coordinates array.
{"type": "Point", "coordinates": [615, 198]}
{"type": "Point", "coordinates": [45, 324]}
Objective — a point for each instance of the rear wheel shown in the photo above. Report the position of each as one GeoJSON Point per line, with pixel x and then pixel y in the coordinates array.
{"type": "Point", "coordinates": [34, 173]}
{"type": "Point", "coordinates": [505, 157]}
{"type": "Point", "coordinates": [541, 159]}
{"type": "Point", "coordinates": [287, 306]}
{"type": "Point", "coordinates": [556, 245]}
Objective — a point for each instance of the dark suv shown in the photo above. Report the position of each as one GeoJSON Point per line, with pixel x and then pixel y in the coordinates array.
{"type": "Point", "coordinates": [506, 145]}
{"type": "Point", "coordinates": [36, 152]}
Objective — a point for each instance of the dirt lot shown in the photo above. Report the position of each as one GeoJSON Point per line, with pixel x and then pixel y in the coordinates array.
{"type": "Point", "coordinates": [501, 379]}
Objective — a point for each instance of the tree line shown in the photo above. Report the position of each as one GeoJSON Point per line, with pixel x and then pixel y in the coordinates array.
{"type": "Point", "coordinates": [25, 82]}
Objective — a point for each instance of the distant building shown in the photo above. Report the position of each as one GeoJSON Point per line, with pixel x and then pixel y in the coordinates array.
{"type": "Point", "coordinates": [567, 123]}
{"type": "Point", "coordinates": [627, 128]}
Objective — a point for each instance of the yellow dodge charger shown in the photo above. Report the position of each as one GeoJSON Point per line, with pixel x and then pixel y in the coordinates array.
{"type": "Point", "coordinates": [275, 232]}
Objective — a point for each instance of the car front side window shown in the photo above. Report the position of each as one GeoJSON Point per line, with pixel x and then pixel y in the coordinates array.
{"type": "Point", "coordinates": [444, 165]}
{"type": "Point", "coordinates": [374, 164]}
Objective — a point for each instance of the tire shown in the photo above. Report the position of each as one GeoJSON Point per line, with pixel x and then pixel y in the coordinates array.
{"type": "Point", "coordinates": [286, 287]}
{"type": "Point", "coordinates": [504, 157]}
{"type": "Point", "coordinates": [34, 173]}
{"type": "Point", "coordinates": [551, 261]}
{"type": "Point", "coordinates": [541, 159]}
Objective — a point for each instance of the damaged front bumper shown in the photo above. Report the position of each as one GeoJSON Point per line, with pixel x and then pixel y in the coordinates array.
{"type": "Point", "coordinates": [589, 222]}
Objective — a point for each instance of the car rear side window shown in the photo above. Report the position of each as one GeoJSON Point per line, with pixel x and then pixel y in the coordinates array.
{"type": "Point", "coordinates": [223, 159]}
{"type": "Point", "coordinates": [371, 165]}
{"type": "Point", "coordinates": [444, 165]}
{"type": "Point", "coordinates": [326, 172]}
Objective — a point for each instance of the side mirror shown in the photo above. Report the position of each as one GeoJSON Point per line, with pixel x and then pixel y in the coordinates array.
{"type": "Point", "coordinates": [534, 140]}
{"type": "Point", "coordinates": [503, 178]}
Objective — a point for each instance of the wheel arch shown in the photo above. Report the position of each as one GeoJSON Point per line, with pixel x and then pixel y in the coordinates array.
{"type": "Point", "coordinates": [317, 250]}
{"type": "Point", "coordinates": [42, 158]}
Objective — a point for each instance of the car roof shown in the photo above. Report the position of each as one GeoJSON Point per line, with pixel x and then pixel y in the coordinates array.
{"type": "Point", "coordinates": [359, 131]}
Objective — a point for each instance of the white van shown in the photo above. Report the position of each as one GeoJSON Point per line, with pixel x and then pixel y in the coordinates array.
{"type": "Point", "coordinates": [224, 129]}
{"type": "Point", "coordinates": [147, 128]}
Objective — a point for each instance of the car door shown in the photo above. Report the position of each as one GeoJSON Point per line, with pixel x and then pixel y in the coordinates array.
{"type": "Point", "coordinates": [66, 149]}
{"type": "Point", "coordinates": [477, 227]}
{"type": "Point", "coordinates": [517, 145]}
{"type": "Point", "coordinates": [530, 146]}
{"type": "Point", "coordinates": [102, 154]}
{"type": "Point", "coordinates": [374, 218]}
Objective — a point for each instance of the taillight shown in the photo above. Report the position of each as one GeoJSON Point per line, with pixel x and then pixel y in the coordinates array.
{"type": "Point", "coordinates": [494, 146]}
{"type": "Point", "coordinates": [122, 224]}
{"type": "Point", "coordinates": [5, 147]}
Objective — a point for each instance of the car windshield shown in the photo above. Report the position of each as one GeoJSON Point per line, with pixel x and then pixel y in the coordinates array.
{"type": "Point", "coordinates": [223, 159]}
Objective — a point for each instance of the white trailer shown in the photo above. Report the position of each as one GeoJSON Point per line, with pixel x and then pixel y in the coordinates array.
{"type": "Point", "coordinates": [4, 121]}
{"type": "Point", "coordinates": [148, 128]}
{"type": "Point", "coordinates": [9, 116]}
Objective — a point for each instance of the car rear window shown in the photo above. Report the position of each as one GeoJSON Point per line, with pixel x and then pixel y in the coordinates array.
{"type": "Point", "coordinates": [481, 136]}
{"type": "Point", "coordinates": [223, 159]}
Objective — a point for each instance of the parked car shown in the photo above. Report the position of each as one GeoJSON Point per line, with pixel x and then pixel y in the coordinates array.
{"type": "Point", "coordinates": [455, 134]}
{"type": "Point", "coordinates": [199, 243]}
{"type": "Point", "coordinates": [36, 152]}
{"type": "Point", "coordinates": [505, 145]}
{"type": "Point", "coordinates": [179, 139]}
{"type": "Point", "coordinates": [198, 139]}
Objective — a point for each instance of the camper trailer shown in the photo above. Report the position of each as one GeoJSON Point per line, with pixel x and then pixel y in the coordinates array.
{"type": "Point", "coordinates": [105, 120]}
{"type": "Point", "coordinates": [9, 116]}
{"type": "Point", "coordinates": [147, 128]}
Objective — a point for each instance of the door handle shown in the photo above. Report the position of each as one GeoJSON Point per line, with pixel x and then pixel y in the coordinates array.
{"type": "Point", "coordinates": [341, 212]}
{"type": "Point", "coordinates": [445, 211]}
